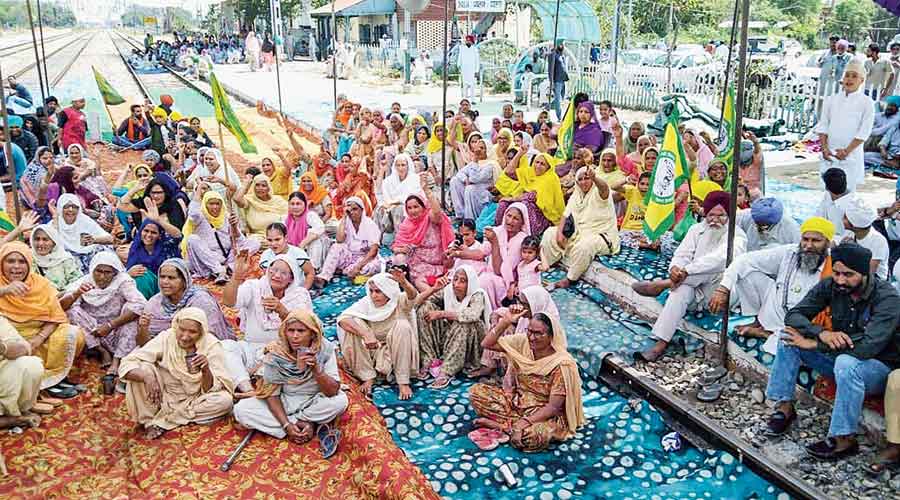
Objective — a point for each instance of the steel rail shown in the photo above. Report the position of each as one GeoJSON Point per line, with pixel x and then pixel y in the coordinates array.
{"type": "Point", "coordinates": [131, 71]}
{"type": "Point", "coordinates": [69, 64]}
{"type": "Point", "coordinates": [12, 49]}
{"type": "Point", "coordinates": [30, 66]}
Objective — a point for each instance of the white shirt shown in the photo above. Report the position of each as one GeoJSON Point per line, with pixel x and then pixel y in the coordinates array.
{"type": "Point", "coordinates": [704, 250]}
{"type": "Point", "coordinates": [791, 283]}
{"type": "Point", "coordinates": [468, 61]}
{"type": "Point", "coordinates": [846, 117]}
{"type": "Point", "coordinates": [785, 231]}
{"type": "Point", "coordinates": [878, 245]}
{"type": "Point", "coordinates": [833, 210]}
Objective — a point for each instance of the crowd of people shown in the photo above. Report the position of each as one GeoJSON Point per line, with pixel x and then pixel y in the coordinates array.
{"type": "Point", "coordinates": [473, 219]}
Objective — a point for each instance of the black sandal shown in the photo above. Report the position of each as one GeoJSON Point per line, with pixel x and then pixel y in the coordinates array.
{"type": "Point", "coordinates": [61, 392]}
{"type": "Point", "coordinates": [826, 449]}
{"type": "Point", "coordinates": [779, 423]}
{"type": "Point", "coordinates": [879, 465]}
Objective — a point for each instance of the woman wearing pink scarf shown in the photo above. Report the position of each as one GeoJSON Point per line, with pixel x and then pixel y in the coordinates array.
{"type": "Point", "coordinates": [423, 238]}
{"type": "Point", "coordinates": [503, 248]}
{"type": "Point", "coordinates": [305, 229]}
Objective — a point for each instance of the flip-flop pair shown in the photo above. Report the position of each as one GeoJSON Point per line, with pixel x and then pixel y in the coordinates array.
{"type": "Point", "coordinates": [329, 439]}
{"type": "Point", "coordinates": [487, 439]}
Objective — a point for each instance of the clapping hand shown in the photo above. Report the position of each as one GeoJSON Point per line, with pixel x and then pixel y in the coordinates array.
{"type": "Point", "coordinates": [150, 210]}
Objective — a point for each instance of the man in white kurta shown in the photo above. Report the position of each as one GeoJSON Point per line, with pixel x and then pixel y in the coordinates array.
{"type": "Point", "coordinates": [845, 124]}
{"type": "Point", "coordinates": [767, 283]}
{"type": "Point", "coordinates": [695, 271]}
{"type": "Point", "coordinates": [469, 65]}
{"type": "Point", "coordinates": [766, 226]}
{"type": "Point", "coordinates": [836, 197]}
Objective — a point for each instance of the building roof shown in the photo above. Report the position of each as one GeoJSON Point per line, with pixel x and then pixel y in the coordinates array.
{"type": "Point", "coordinates": [354, 8]}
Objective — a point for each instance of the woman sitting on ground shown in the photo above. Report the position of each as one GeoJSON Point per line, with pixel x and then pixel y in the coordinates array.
{"type": "Point", "coordinates": [541, 191]}
{"type": "Point", "coordinates": [88, 175]}
{"type": "Point", "coordinates": [29, 301]}
{"type": "Point", "coordinates": [470, 188]}
{"type": "Point", "coordinates": [20, 381]}
{"type": "Point", "coordinates": [142, 175]}
{"type": "Point", "coordinates": [453, 315]}
{"type": "Point", "coordinates": [394, 189]}
{"type": "Point", "coordinates": [213, 171]}
{"type": "Point", "coordinates": [261, 206]}
{"type": "Point", "coordinates": [305, 229]}
{"type": "Point", "coordinates": [51, 260]}
{"type": "Point", "coordinates": [157, 202]}
{"type": "Point", "coordinates": [148, 250]}
{"type": "Point", "coordinates": [34, 182]}
{"type": "Point", "coordinates": [423, 239]}
{"type": "Point", "coordinates": [378, 333]}
{"type": "Point", "coordinates": [105, 304]}
{"type": "Point", "coordinates": [316, 196]}
{"type": "Point", "coordinates": [81, 236]}
{"type": "Point", "coordinates": [178, 377]}
{"type": "Point", "coordinates": [177, 291]}
{"type": "Point", "coordinates": [355, 251]}
{"type": "Point", "coordinates": [209, 235]}
{"type": "Point", "coordinates": [263, 304]}
{"type": "Point", "coordinates": [544, 402]}
{"type": "Point", "coordinates": [300, 386]}
{"type": "Point", "coordinates": [279, 176]}
{"type": "Point", "coordinates": [276, 238]}
{"type": "Point", "coordinates": [592, 230]}
{"type": "Point", "coordinates": [503, 247]}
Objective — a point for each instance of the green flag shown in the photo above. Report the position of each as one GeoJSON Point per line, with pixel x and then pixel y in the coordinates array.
{"type": "Point", "coordinates": [725, 142]}
{"type": "Point", "coordinates": [225, 115]}
{"type": "Point", "coordinates": [565, 137]}
{"type": "Point", "coordinates": [110, 96]}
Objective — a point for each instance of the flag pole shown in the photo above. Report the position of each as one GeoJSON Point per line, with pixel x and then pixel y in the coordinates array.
{"type": "Point", "coordinates": [228, 194]}
{"type": "Point", "coordinates": [276, 4]}
{"type": "Point", "coordinates": [735, 162]}
{"type": "Point", "coordinates": [43, 49]}
{"type": "Point", "coordinates": [444, 106]}
{"type": "Point", "coordinates": [7, 151]}
{"type": "Point", "coordinates": [37, 56]}
{"type": "Point", "coordinates": [550, 65]}
{"type": "Point", "coordinates": [334, 54]}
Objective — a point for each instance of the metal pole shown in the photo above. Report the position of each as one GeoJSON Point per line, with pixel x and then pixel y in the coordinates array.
{"type": "Point", "coordinates": [735, 161]}
{"type": "Point", "coordinates": [669, 50]}
{"type": "Point", "coordinates": [276, 4]}
{"type": "Point", "coordinates": [615, 36]}
{"type": "Point", "coordinates": [43, 49]}
{"type": "Point", "coordinates": [444, 105]}
{"type": "Point", "coordinates": [334, 53]}
{"type": "Point", "coordinates": [7, 151]}
{"type": "Point", "coordinates": [550, 65]}
{"type": "Point", "coordinates": [37, 56]}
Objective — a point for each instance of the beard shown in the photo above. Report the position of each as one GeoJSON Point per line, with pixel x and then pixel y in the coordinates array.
{"type": "Point", "coordinates": [845, 290]}
{"type": "Point", "coordinates": [810, 261]}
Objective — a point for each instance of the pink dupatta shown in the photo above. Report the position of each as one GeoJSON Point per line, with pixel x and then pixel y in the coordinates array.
{"type": "Point", "coordinates": [413, 231]}
{"type": "Point", "coordinates": [297, 227]}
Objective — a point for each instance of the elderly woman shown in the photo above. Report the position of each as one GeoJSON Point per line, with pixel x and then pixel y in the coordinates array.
{"type": "Point", "coordinates": [541, 192]}
{"type": "Point", "coordinates": [157, 202]}
{"type": "Point", "coordinates": [51, 260]}
{"type": "Point", "coordinates": [87, 172]}
{"type": "Point", "coordinates": [263, 304]}
{"type": "Point", "coordinates": [177, 291]}
{"type": "Point", "coordinates": [29, 302]}
{"type": "Point", "coordinates": [378, 333]}
{"type": "Point", "coordinates": [276, 237]}
{"type": "Point", "coordinates": [105, 304]}
{"type": "Point", "coordinates": [300, 386]}
{"type": "Point", "coordinates": [544, 403]}
{"type": "Point", "coordinates": [470, 187]}
{"type": "Point", "coordinates": [355, 251]}
{"type": "Point", "coordinates": [20, 380]}
{"type": "Point", "coordinates": [635, 131]}
{"type": "Point", "coordinates": [261, 206]}
{"type": "Point", "coordinates": [209, 235]}
{"type": "Point", "coordinates": [305, 229]}
{"type": "Point", "coordinates": [148, 250]}
{"type": "Point", "coordinates": [434, 152]}
{"type": "Point", "coordinates": [279, 176]}
{"type": "Point", "coordinates": [34, 182]}
{"type": "Point", "coordinates": [316, 196]}
{"type": "Point", "coordinates": [503, 247]}
{"type": "Point", "coordinates": [423, 239]}
{"type": "Point", "coordinates": [394, 190]}
{"type": "Point", "coordinates": [221, 178]}
{"type": "Point", "coordinates": [178, 377]}
{"type": "Point", "coordinates": [81, 236]}
{"type": "Point", "coordinates": [592, 233]}
{"type": "Point", "coordinates": [453, 315]}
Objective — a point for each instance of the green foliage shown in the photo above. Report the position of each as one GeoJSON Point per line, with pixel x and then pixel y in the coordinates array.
{"type": "Point", "coordinates": [851, 18]}
{"type": "Point", "coordinates": [13, 13]}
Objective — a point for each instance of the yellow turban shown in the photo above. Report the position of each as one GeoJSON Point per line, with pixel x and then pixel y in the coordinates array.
{"type": "Point", "coordinates": [818, 225]}
{"type": "Point", "coordinates": [700, 189]}
{"type": "Point", "coordinates": [159, 112]}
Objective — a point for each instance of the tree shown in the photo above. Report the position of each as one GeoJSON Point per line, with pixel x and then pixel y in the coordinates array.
{"type": "Point", "coordinates": [851, 19]}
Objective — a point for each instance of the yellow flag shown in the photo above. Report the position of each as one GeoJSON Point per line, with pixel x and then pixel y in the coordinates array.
{"type": "Point", "coordinates": [669, 172]}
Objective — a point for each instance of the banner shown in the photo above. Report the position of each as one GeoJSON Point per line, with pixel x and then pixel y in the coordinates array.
{"type": "Point", "coordinates": [225, 115]}
{"type": "Point", "coordinates": [669, 172]}
{"type": "Point", "coordinates": [481, 5]}
{"type": "Point", "coordinates": [725, 141]}
{"type": "Point", "coordinates": [110, 96]}
{"type": "Point", "coordinates": [565, 137]}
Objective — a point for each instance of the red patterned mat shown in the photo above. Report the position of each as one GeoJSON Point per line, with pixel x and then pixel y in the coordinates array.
{"type": "Point", "coordinates": [826, 389]}
{"type": "Point", "coordinates": [89, 448]}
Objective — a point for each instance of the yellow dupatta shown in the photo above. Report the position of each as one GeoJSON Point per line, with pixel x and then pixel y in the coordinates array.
{"type": "Point", "coordinates": [434, 144]}
{"type": "Point", "coordinates": [260, 213]}
{"type": "Point", "coordinates": [547, 186]}
{"type": "Point", "coordinates": [215, 222]}
{"type": "Point", "coordinates": [518, 351]}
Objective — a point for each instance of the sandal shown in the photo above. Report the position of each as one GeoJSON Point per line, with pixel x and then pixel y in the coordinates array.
{"type": "Point", "coordinates": [880, 465]}
{"type": "Point", "coordinates": [58, 391]}
{"type": "Point", "coordinates": [329, 439]}
{"type": "Point", "coordinates": [779, 423]}
{"type": "Point", "coordinates": [826, 449]}
{"type": "Point", "coordinates": [710, 393]}
{"type": "Point", "coordinates": [42, 408]}
{"type": "Point", "coordinates": [109, 384]}
{"type": "Point", "coordinates": [440, 382]}
{"type": "Point", "coordinates": [54, 402]}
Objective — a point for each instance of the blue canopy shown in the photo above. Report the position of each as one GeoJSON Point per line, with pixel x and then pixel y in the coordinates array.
{"type": "Point", "coordinates": [354, 8]}
{"type": "Point", "coordinates": [577, 20]}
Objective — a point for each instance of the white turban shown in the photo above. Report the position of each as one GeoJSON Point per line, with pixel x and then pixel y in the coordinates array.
{"type": "Point", "coordinates": [860, 214]}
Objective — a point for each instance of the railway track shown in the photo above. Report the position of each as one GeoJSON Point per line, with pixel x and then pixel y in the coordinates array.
{"type": "Point", "coordinates": [23, 46]}
{"type": "Point", "coordinates": [86, 38]}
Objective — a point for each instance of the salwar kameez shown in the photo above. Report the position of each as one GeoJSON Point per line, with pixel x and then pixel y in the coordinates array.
{"type": "Point", "coordinates": [20, 378]}
{"type": "Point", "coordinates": [532, 392]}
{"type": "Point", "coordinates": [120, 341]}
{"type": "Point", "coordinates": [456, 343]}
{"type": "Point", "coordinates": [58, 352]}
{"type": "Point", "coordinates": [397, 354]}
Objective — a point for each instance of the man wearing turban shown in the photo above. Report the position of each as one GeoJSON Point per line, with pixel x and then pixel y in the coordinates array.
{"type": "Point", "coordinates": [843, 328]}
{"type": "Point", "coordinates": [695, 270]}
{"type": "Point", "coordinates": [858, 220]}
{"type": "Point", "coordinates": [469, 64]}
{"type": "Point", "coordinates": [845, 124]}
{"type": "Point", "coordinates": [766, 226]}
{"type": "Point", "coordinates": [767, 283]}
{"type": "Point", "coordinates": [883, 146]}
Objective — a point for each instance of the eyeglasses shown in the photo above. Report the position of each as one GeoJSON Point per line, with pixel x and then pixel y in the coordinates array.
{"type": "Point", "coordinates": [537, 333]}
{"type": "Point", "coordinates": [157, 192]}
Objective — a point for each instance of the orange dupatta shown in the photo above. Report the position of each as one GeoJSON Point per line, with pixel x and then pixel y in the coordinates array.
{"type": "Point", "coordinates": [39, 303]}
